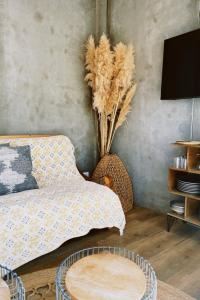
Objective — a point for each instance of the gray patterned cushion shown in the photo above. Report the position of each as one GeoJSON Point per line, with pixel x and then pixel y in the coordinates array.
{"type": "Point", "coordinates": [16, 170]}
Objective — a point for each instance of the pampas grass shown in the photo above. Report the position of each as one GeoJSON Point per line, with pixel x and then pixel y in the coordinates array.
{"type": "Point", "coordinates": [111, 76]}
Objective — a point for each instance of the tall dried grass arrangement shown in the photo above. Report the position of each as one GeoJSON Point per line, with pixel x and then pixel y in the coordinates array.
{"type": "Point", "coordinates": [111, 76]}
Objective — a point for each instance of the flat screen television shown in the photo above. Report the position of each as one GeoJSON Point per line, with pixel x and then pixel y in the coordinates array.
{"type": "Point", "coordinates": [181, 67]}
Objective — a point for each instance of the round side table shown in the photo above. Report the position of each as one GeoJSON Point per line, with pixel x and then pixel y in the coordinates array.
{"type": "Point", "coordinates": [11, 286]}
{"type": "Point", "coordinates": [104, 273]}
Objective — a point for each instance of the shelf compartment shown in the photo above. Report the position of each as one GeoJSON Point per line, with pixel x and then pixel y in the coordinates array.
{"type": "Point", "coordinates": [192, 207]}
{"type": "Point", "coordinates": [174, 175]}
{"type": "Point", "coordinates": [193, 157]}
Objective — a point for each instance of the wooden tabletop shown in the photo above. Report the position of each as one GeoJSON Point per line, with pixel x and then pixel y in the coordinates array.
{"type": "Point", "coordinates": [105, 276]}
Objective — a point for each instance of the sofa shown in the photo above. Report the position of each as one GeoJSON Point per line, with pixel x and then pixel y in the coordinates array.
{"type": "Point", "coordinates": [36, 222]}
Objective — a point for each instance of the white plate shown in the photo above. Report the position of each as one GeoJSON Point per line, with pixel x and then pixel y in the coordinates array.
{"type": "Point", "coordinates": [188, 183]}
{"type": "Point", "coordinates": [178, 211]}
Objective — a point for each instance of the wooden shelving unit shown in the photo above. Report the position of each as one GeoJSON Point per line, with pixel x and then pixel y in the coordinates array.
{"type": "Point", "coordinates": [192, 202]}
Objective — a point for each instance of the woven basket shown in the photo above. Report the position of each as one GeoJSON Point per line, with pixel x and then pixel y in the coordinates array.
{"type": "Point", "coordinates": [111, 172]}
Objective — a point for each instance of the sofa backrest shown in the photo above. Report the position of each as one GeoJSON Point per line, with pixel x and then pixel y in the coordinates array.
{"type": "Point", "coordinates": [52, 157]}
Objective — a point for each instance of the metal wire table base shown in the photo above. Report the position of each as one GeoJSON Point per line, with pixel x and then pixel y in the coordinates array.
{"type": "Point", "coordinates": [151, 280]}
{"type": "Point", "coordinates": [14, 283]}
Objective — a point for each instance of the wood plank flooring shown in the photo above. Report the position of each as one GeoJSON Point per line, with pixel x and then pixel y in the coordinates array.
{"type": "Point", "coordinates": [175, 256]}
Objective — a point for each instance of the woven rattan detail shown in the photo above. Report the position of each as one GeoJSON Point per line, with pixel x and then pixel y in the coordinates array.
{"type": "Point", "coordinates": [111, 172]}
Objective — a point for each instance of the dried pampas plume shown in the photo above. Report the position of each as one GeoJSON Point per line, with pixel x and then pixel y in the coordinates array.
{"type": "Point", "coordinates": [90, 62]}
{"type": "Point", "coordinates": [126, 106]}
{"type": "Point", "coordinates": [111, 76]}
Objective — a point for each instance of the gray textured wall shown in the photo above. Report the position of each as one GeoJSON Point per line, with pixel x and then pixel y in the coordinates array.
{"type": "Point", "coordinates": [42, 88]}
{"type": "Point", "coordinates": [144, 142]}
{"type": "Point", "coordinates": [42, 69]}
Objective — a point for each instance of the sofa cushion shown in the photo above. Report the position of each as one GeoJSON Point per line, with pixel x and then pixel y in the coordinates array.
{"type": "Point", "coordinates": [15, 170]}
{"type": "Point", "coordinates": [52, 157]}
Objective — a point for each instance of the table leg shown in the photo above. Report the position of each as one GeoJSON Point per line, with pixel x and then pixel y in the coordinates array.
{"type": "Point", "coordinates": [170, 222]}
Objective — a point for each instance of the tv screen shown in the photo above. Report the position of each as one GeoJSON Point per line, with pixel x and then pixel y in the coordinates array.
{"type": "Point", "coordinates": [181, 67]}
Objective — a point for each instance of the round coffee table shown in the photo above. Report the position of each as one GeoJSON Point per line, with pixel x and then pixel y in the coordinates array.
{"type": "Point", "coordinates": [11, 287]}
{"type": "Point", "coordinates": [105, 273]}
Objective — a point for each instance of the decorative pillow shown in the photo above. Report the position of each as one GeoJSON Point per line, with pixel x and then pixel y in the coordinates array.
{"type": "Point", "coordinates": [52, 157]}
{"type": "Point", "coordinates": [16, 170]}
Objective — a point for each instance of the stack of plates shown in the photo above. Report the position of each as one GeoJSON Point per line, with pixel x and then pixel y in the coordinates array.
{"type": "Point", "coordinates": [188, 187]}
{"type": "Point", "coordinates": [178, 206]}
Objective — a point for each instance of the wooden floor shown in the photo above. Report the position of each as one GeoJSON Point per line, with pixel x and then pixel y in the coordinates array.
{"type": "Point", "coordinates": [175, 256]}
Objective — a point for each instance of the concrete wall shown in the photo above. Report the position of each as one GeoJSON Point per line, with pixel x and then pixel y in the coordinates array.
{"type": "Point", "coordinates": [144, 142]}
{"type": "Point", "coordinates": [42, 88]}
{"type": "Point", "coordinates": [42, 69]}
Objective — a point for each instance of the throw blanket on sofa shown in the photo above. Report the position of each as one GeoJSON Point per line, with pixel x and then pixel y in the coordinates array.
{"type": "Point", "coordinates": [33, 223]}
